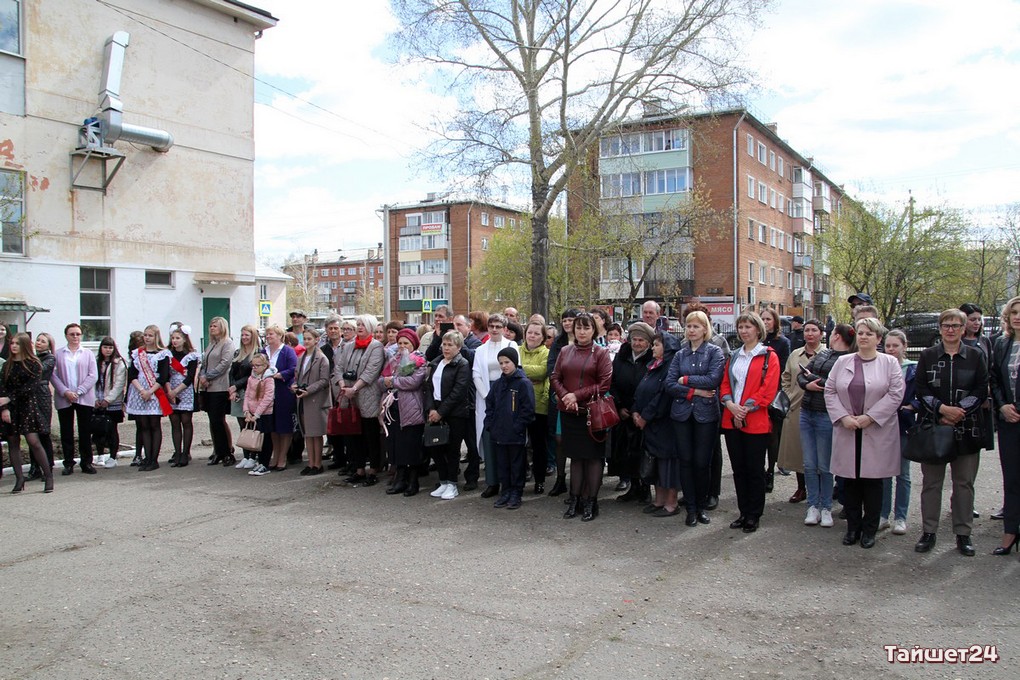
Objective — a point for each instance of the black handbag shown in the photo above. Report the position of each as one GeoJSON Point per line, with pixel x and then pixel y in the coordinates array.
{"type": "Point", "coordinates": [436, 434]}
{"type": "Point", "coordinates": [930, 442]}
{"type": "Point", "coordinates": [649, 472]}
{"type": "Point", "coordinates": [780, 406]}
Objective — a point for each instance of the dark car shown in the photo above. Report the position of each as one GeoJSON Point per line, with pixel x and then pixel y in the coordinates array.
{"type": "Point", "coordinates": [921, 328]}
{"type": "Point", "coordinates": [785, 326]}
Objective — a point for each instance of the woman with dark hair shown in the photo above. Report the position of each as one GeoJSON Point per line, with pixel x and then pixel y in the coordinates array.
{"type": "Point", "coordinates": [952, 385]}
{"type": "Point", "coordinates": [749, 385]}
{"type": "Point", "coordinates": [791, 455]}
{"type": "Point", "coordinates": [44, 347]}
{"type": "Point", "coordinates": [1004, 369]}
{"type": "Point", "coordinates": [25, 409]}
{"type": "Point", "coordinates": [974, 336]}
{"type": "Point", "coordinates": [555, 452]}
{"type": "Point", "coordinates": [403, 402]}
{"type": "Point", "coordinates": [180, 391]}
{"type": "Point", "coordinates": [816, 426]}
{"type": "Point", "coordinates": [5, 344]}
{"type": "Point", "coordinates": [775, 339]}
{"type": "Point", "coordinates": [582, 371]}
{"type": "Point", "coordinates": [602, 322]}
{"type": "Point", "coordinates": [135, 340]}
{"type": "Point", "coordinates": [514, 332]}
{"type": "Point", "coordinates": [146, 400]}
{"type": "Point", "coordinates": [109, 400]}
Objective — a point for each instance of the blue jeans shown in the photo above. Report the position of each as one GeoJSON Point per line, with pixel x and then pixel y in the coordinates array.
{"type": "Point", "coordinates": [816, 443]}
{"type": "Point", "coordinates": [902, 489]}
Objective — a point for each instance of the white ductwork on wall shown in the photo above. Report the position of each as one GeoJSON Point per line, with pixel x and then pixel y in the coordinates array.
{"type": "Point", "coordinates": [111, 115]}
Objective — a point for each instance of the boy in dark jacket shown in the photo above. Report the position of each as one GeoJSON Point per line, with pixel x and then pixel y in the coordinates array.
{"type": "Point", "coordinates": [509, 408]}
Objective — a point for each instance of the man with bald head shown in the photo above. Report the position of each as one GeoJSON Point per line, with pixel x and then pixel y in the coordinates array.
{"type": "Point", "coordinates": [511, 314]}
{"type": "Point", "coordinates": [650, 312]}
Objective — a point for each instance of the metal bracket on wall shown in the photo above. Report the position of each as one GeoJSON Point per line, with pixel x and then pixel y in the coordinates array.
{"type": "Point", "coordinates": [102, 156]}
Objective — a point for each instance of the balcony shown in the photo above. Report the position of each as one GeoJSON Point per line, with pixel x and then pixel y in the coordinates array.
{"type": "Point", "coordinates": [821, 298]}
{"type": "Point", "coordinates": [822, 204]}
{"type": "Point", "coordinates": [663, 289]}
{"type": "Point", "coordinates": [801, 296]}
{"type": "Point", "coordinates": [822, 267]}
{"type": "Point", "coordinates": [802, 190]}
{"type": "Point", "coordinates": [801, 261]}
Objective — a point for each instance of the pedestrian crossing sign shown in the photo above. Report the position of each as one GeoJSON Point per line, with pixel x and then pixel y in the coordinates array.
{"type": "Point", "coordinates": [265, 308]}
{"type": "Point", "coordinates": [426, 306]}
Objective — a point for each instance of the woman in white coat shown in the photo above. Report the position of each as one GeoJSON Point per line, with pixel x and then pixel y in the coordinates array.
{"type": "Point", "coordinates": [484, 372]}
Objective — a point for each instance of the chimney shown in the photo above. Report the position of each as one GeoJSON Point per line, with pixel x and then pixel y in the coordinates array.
{"type": "Point", "coordinates": [774, 127]}
{"type": "Point", "coordinates": [651, 107]}
{"type": "Point", "coordinates": [430, 197]}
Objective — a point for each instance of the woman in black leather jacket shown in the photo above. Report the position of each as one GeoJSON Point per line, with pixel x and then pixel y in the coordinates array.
{"type": "Point", "coordinates": [1003, 376]}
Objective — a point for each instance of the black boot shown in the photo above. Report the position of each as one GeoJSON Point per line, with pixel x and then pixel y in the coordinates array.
{"type": "Point", "coordinates": [634, 493]}
{"type": "Point", "coordinates": [412, 482]}
{"type": "Point", "coordinates": [572, 503]}
{"type": "Point", "coordinates": [770, 480]}
{"type": "Point", "coordinates": [560, 487]}
{"type": "Point", "coordinates": [646, 495]}
{"type": "Point", "coordinates": [588, 512]}
{"type": "Point", "coordinates": [399, 482]}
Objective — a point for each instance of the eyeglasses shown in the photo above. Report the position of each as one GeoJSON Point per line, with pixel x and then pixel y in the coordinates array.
{"type": "Point", "coordinates": [495, 327]}
{"type": "Point", "coordinates": [74, 334]}
{"type": "Point", "coordinates": [951, 326]}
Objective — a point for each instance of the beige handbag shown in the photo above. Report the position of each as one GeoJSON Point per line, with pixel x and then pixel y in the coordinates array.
{"type": "Point", "coordinates": [250, 439]}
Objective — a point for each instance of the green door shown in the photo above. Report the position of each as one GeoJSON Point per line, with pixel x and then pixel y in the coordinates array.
{"type": "Point", "coordinates": [213, 307]}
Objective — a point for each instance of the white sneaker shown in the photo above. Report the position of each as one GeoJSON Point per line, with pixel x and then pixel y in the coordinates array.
{"type": "Point", "coordinates": [110, 462]}
{"type": "Point", "coordinates": [450, 493]}
{"type": "Point", "coordinates": [826, 520]}
{"type": "Point", "coordinates": [101, 460]}
{"type": "Point", "coordinates": [812, 516]}
{"type": "Point", "coordinates": [259, 471]}
{"type": "Point", "coordinates": [250, 463]}
{"type": "Point", "coordinates": [440, 490]}
{"type": "Point", "coordinates": [899, 527]}
{"type": "Point", "coordinates": [242, 464]}
{"type": "Point", "coordinates": [883, 524]}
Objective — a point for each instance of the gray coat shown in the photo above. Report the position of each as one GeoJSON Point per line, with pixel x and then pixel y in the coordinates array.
{"type": "Point", "coordinates": [216, 365]}
{"type": "Point", "coordinates": [313, 408]}
{"type": "Point", "coordinates": [367, 366]}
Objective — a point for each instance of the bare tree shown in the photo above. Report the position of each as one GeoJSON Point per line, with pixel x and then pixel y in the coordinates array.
{"type": "Point", "coordinates": [540, 81]}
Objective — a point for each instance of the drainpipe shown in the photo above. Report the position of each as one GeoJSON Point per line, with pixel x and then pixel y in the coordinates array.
{"type": "Point", "coordinates": [468, 286]}
{"type": "Point", "coordinates": [387, 305]}
{"type": "Point", "coordinates": [736, 217]}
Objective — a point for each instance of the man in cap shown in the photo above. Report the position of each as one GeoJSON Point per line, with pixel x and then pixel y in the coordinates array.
{"type": "Point", "coordinates": [298, 319]}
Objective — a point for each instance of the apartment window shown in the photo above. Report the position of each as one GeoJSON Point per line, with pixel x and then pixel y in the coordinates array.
{"type": "Point", "coordinates": [797, 207]}
{"type": "Point", "coordinates": [324, 272]}
{"type": "Point", "coordinates": [773, 237]}
{"type": "Point", "coordinates": [630, 144]}
{"type": "Point", "coordinates": [379, 269]}
{"type": "Point", "coordinates": [761, 153]}
{"type": "Point", "coordinates": [664, 140]}
{"type": "Point", "coordinates": [781, 203]}
{"type": "Point", "coordinates": [332, 284]}
{"type": "Point", "coordinates": [762, 274]}
{"type": "Point", "coordinates": [609, 147]}
{"type": "Point", "coordinates": [434, 217]}
{"type": "Point", "coordinates": [772, 160]}
{"type": "Point", "coordinates": [498, 221]}
{"type": "Point", "coordinates": [789, 280]}
{"type": "Point", "coordinates": [750, 272]}
{"type": "Point", "coordinates": [779, 166]}
{"type": "Point", "coordinates": [95, 303]}
{"type": "Point", "coordinates": [12, 202]}
{"type": "Point", "coordinates": [409, 292]}
{"type": "Point", "coordinates": [410, 268]}
{"type": "Point", "coordinates": [413, 220]}
{"type": "Point", "coordinates": [670, 181]}
{"type": "Point", "coordinates": [750, 186]}
{"type": "Point", "coordinates": [796, 280]}
{"type": "Point", "coordinates": [433, 241]}
{"type": "Point", "coordinates": [513, 222]}
{"type": "Point", "coordinates": [409, 243]}
{"type": "Point", "coordinates": [315, 273]}
{"type": "Point", "coordinates": [624, 184]}
{"type": "Point", "coordinates": [158, 279]}
{"type": "Point", "coordinates": [750, 229]}
{"type": "Point", "coordinates": [352, 271]}
{"type": "Point", "coordinates": [485, 243]}
{"type": "Point", "coordinates": [618, 269]}
{"type": "Point", "coordinates": [485, 219]}
{"type": "Point", "coordinates": [10, 26]}
{"type": "Point", "coordinates": [763, 193]}
{"type": "Point", "coordinates": [789, 243]}
{"type": "Point", "coordinates": [772, 197]}
{"type": "Point", "coordinates": [435, 267]}
{"type": "Point", "coordinates": [772, 276]}
{"type": "Point", "coordinates": [750, 150]}
{"type": "Point", "coordinates": [435, 292]}
{"type": "Point", "coordinates": [361, 271]}
{"type": "Point", "coordinates": [763, 233]}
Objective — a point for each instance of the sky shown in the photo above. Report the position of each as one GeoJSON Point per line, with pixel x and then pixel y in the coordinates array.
{"type": "Point", "coordinates": [893, 98]}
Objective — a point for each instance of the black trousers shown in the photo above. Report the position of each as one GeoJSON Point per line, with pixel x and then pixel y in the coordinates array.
{"type": "Point", "coordinates": [471, 472]}
{"type": "Point", "coordinates": [448, 457]}
{"type": "Point", "coordinates": [1009, 459]}
{"type": "Point", "coordinates": [66, 417]}
{"type": "Point", "coordinates": [747, 458]}
{"type": "Point", "coordinates": [715, 481]}
{"type": "Point", "coordinates": [695, 442]}
{"type": "Point", "coordinates": [217, 405]}
{"type": "Point", "coordinates": [863, 503]}
{"type": "Point", "coordinates": [511, 466]}
{"type": "Point", "coordinates": [538, 433]}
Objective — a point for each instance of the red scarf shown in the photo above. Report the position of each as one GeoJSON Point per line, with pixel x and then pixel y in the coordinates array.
{"type": "Point", "coordinates": [359, 344]}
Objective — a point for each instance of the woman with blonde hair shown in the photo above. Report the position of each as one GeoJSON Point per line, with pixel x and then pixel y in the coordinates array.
{"type": "Point", "coordinates": [1003, 376]}
{"type": "Point", "coordinates": [214, 379]}
{"type": "Point", "coordinates": [146, 400]}
{"type": "Point", "coordinates": [312, 391]}
{"type": "Point", "coordinates": [283, 362]}
{"type": "Point", "coordinates": [240, 369]}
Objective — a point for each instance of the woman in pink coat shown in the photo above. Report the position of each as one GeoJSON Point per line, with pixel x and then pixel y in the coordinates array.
{"type": "Point", "coordinates": [863, 395]}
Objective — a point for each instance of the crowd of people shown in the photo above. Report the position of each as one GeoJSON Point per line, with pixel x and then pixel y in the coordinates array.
{"type": "Point", "coordinates": [835, 404]}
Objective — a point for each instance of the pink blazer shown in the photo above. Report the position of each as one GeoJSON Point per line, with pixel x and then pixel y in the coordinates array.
{"type": "Point", "coordinates": [88, 374]}
{"type": "Point", "coordinates": [880, 443]}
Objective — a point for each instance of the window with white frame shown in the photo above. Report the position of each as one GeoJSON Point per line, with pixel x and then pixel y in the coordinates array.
{"type": "Point", "coordinates": [772, 160]}
{"type": "Point", "coordinates": [779, 166]}
{"type": "Point", "coordinates": [435, 292]}
{"type": "Point", "coordinates": [498, 221]}
{"type": "Point", "coordinates": [12, 207]}
{"type": "Point", "coordinates": [763, 236]}
{"type": "Point", "coordinates": [617, 269]}
{"type": "Point", "coordinates": [772, 197]}
{"type": "Point", "coordinates": [409, 292]}
{"type": "Point", "coordinates": [763, 272]}
{"type": "Point", "coordinates": [324, 272]}
{"type": "Point", "coordinates": [781, 203]}
{"type": "Point", "coordinates": [750, 229]}
{"type": "Point", "coordinates": [158, 279]}
{"type": "Point", "coordinates": [773, 237]}
{"type": "Point", "coordinates": [435, 266]}
{"type": "Point", "coordinates": [433, 241]}
{"type": "Point", "coordinates": [668, 181]}
{"type": "Point", "coordinates": [513, 222]}
{"type": "Point", "coordinates": [750, 186]}
{"type": "Point", "coordinates": [485, 219]}
{"type": "Point", "coordinates": [334, 271]}
{"type": "Point", "coordinates": [96, 302]}
{"type": "Point", "coordinates": [750, 149]}
{"type": "Point", "coordinates": [763, 193]}
{"type": "Point", "coordinates": [379, 269]}
{"type": "Point", "coordinates": [761, 153]}
{"type": "Point", "coordinates": [772, 276]}
{"type": "Point", "coordinates": [409, 243]}
{"type": "Point", "coordinates": [315, 273]}
{"type": "Point", "coordinates": [433, 217]}
{"type": "Point", "coordinates": [789, 280]}
{"type": "Point", "coordinates": [750, 270]}
{"type": "Point", "coordinates": [796, 280]}
{"type": "Point", "coordinates": [413, 220]}
{"type": "Point", "coordinates": [485, 243]}
{"type": "Point", "coordinates": [616, 185]}
{"type": "Point", "coordinates": [789, 243]}
{"type": "Point", "coordinates": [410, 268]}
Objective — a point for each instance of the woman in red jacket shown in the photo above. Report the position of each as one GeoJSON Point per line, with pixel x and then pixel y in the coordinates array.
{"type": "Point", "coordinates": [749, 385]}
{"type": "Point", "coordinates": [583, 370]}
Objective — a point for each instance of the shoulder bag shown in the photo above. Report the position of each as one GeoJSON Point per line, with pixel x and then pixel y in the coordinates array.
{"type": "Point", "coordinates": [780, 406]}
{"type": "Point", "coordinates": [343, 420]}
{"type": "Point", "coordinates": [930, 442]}
{"type": "Point", "coordinates": [436, 434]}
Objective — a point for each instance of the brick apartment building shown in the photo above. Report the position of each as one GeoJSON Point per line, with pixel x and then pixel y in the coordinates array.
{"type": "Point", "coordinates": [772, 198]}
{"type": "Point", "coordinates": [340, 281]}
{"type": "Point", "coordinates": [429, 247]}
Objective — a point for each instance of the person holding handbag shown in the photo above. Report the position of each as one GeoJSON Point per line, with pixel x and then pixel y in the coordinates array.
{"type": "Point", "coordinates": [692, 383]}
{"type": "Point", "coordinates": [214, 381]}
{"type": "Point", "coordinates": [775, 339]}
{"type": "Point", "coordinates": [791, 455]}
{"type": "Point", "coordinates": [25, 409]}
{"type": "Point", "coordinates": [312, 391]}
{"type": "Point", "coordinates": [402, 379]}
{"type": "Point", "coordinates": [448, 400]}
{"type": "Point", "coordinates": [240, 369]}
{"type": "Point", "coordinates": [863, 396]}
{"type": "Point", "coordinates": [952, 386]}
{"type": "Point", "coordinates": [259, 401]}
{"type": "Point", "coordinates": [583, 371]}
{"type": "Point", "coordinates": [356, 370]}
{"type": "Point", "coordinates": [749, 385]}
{"type": "Point", "coordinates": [1003, 378]}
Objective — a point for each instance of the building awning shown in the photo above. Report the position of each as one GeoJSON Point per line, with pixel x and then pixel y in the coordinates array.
{"type": "Point", "coordinates": [19, 306]}
{"type": "Point", "coordinates": [223, 279]}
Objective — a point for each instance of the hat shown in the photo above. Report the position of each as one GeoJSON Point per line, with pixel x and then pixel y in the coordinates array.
{"type": "Point", "coordinates": [511, 354]}
{"type": "Point", "coordinates": [641, 328]}
{"type": "Point", "coordinates": [863, 297]}
{"type": "Point", "coordinates": [797, 319]}
{"type": "Point", "coordinates": [299, 312]}
{"type": "Point", "coordinates": [411, 336]}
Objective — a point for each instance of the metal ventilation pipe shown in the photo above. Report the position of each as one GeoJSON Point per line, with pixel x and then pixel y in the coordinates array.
{"type": "Point", "coordinates": [112, 110]}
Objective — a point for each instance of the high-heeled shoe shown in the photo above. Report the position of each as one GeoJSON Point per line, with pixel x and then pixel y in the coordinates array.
{"type": "Point", "coordinates": [48, 486]}
{"type": "Point", "coordinates": [571, 511]}
{"type": "Point", "coordinates": [1007, 549]}
{"type": "Point", "coordinates": [18, 486]}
